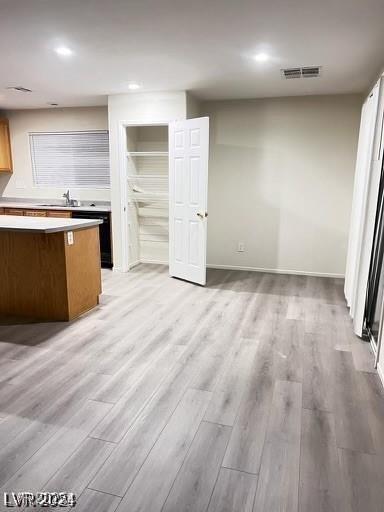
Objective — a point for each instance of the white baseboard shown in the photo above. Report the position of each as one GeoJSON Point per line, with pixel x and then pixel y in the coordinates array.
{"type": "Point", "coordinates": [239, 267]}
{"type": "Point", "coordinates": [154, 262]}
{"type": "Point", "coordinates": [276, 271]}
{"type": "Point", "coordinates": [134, 264]}
{"type": "Point", "coordinates": [137, 262]}
{"type": "Point", "coordinates": [120, 270]}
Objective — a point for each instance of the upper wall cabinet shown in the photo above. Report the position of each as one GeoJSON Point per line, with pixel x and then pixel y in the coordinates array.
{"type": "Point", "coordinates": [5, 147]}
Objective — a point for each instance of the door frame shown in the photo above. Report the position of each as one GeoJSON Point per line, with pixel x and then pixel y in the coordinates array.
{"type": "Point", "coordinates": [360, 269]}
{"type": "Point", "coordinates": [127, 265]}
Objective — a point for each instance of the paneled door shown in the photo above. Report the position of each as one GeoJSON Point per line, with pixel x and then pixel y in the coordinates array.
{"type": "Point", "coordinates": [188, 197]}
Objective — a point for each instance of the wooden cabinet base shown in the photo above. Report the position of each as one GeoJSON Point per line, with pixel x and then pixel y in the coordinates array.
{"type": "Point", "coordinates": [42, 277]}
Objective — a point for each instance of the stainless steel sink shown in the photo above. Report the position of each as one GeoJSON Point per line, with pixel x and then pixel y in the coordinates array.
{"type": "Point", "coordinates": [60, 205]}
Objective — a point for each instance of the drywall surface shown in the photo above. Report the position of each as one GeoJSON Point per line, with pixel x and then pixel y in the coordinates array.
{"type": "Point", "coordinates": [280, 181]}
{"type": "Point", "coordinates": [134, 108]}
{"type": "Point", "coordinates": [193, 106]}
{"type": "Point", "coordinates": [22, 123]}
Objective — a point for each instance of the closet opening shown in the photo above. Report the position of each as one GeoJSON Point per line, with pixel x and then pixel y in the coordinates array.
{"type": "Point", "coordinates": [163, 169]}
{"type": "Point", "coordinates": [147, 167]}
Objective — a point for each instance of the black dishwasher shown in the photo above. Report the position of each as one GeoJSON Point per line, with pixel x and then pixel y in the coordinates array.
{"type": "Point", "coordinates": [105, 233]}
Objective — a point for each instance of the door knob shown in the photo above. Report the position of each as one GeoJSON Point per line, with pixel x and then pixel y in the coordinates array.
{"type": "Point", "coordinates": [202, 215]}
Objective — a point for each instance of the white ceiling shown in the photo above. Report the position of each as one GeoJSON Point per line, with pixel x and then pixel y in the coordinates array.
{"type": "Point", "coordinates": [205, 46]}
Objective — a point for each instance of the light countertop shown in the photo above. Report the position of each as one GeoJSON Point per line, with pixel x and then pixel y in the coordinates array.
{"type": "Point", "coordinates": [46, 205]}
{"type": "Point", "coordinates": [44, 224]}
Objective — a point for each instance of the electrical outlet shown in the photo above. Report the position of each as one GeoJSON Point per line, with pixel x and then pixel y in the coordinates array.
{"type": "Point", "coordinates": [70, 237]}
{"type": "Point", "coordinates": [240, 247]}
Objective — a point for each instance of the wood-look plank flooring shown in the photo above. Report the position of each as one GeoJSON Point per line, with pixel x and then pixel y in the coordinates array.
{"type": "Point", "coordinates": [248, 395]}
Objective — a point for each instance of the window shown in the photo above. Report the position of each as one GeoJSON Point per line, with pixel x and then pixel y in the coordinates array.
{"type": "Point", "coordinates": [70, 159]}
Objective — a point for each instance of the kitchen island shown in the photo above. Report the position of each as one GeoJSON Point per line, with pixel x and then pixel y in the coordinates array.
{"type": "Point", "coordinates": [50, 267]}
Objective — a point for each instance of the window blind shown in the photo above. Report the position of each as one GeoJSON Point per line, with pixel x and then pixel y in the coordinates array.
{"type": "Point", "coordinates": [70, 159]}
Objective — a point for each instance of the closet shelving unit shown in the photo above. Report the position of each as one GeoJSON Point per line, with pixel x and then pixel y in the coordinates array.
{"type": "Point", "coordinates": [148, 153]}
{"type": "Point", "coordinates": [147, 182]}
{"type": "Point", "coordinates": [147, 188]}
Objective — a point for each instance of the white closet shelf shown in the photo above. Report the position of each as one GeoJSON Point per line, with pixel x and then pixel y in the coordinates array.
{"type": "Point", "coordinates": [147, 188]}
{"type": "Point", "coordinates": [148, 177]}
{"type": "Point", "coordinates": [147, 153]}
{"type": "Point", "coordinates": [146, 197]}
{"type": "Point", "coordinates": [153, 241]}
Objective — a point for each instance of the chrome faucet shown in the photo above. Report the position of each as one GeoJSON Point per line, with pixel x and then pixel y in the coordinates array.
{"type": "Point", "coordinates": [68, 200]}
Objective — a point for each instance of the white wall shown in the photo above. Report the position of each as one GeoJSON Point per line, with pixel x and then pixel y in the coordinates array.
{"type": "Point", "coordinates": [21, 123]}
{"type": "Point", "coordinates": [280, 180]}
{"type": "Point", "coordinates": [134, 108]}
{"type": "Point", "coordinates": [193, 106]}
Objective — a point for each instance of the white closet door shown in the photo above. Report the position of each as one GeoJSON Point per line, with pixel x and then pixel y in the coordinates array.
{"type": "Point", "coordinates": [362, 173]}
{"type": "Point", "coordinates": [368, 220]}
{"type": "Point", "coordinates": [367, 178]}
{"type": "Point", "coordinates": [188, 197]}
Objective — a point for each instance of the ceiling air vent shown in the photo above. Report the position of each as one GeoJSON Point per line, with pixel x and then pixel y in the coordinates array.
{"type": "Point", "coordinates": [19, 88]}
{"type": "Point", "coordinates": [307, 72]}
{"type": "Point", "coordinates": [311, 72]}
{"type": "Point", "coordinates": [291, 73]}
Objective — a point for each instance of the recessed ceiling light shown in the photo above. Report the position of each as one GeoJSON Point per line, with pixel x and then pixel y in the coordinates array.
{"type": "Point", "coordinates": [133, 86]}
{"type": "Point", "coordinates": [64, 51]}
{"type": "Point", "coordinates": [261, 57]}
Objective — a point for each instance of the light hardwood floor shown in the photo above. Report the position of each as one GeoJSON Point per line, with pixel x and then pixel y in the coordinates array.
{"type": "Point", "coordinates": [249, 395]}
